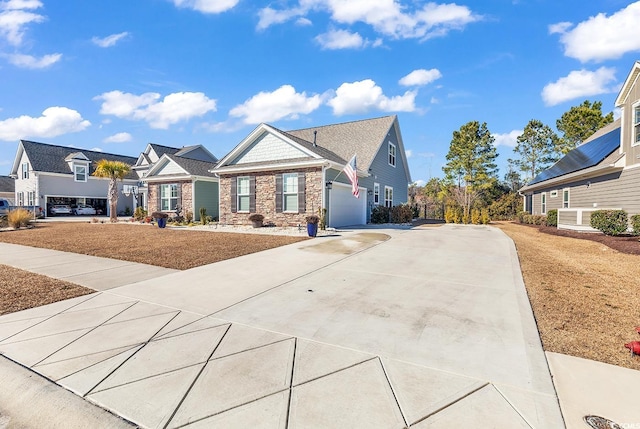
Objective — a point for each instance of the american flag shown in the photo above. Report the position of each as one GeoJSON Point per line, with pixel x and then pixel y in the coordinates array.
{"type": "Point", "coordinates": [350, 171]}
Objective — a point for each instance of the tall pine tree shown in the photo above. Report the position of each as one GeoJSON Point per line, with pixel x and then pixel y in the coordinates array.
{"type": "Point", "coordinates": [536, 149]}
{"type": "Point", "coordinates": [578, 123]}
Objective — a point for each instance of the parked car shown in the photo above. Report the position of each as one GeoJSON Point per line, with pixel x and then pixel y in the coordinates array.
{"type": "Point", "coordinates": [83, 209]}
{"type": "Point", "coordinates": [60, 209]}
{"type": "Point", "coordinates": [4, 206]}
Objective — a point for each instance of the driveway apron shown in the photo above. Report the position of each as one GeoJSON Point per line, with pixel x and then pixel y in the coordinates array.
{"type": "Point", "coordinates": [377, 328]}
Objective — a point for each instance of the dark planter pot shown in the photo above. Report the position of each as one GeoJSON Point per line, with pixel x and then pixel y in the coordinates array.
{"type": "Point", "coordinates": [256, 223]}
{"type": "Point", "coordinates": [162, 222]}
{"type": "Point", "coordinates": [312, 229]}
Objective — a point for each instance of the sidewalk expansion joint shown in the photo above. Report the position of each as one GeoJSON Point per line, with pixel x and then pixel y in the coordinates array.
{"type": "Point", "coordinates": [451, 403]}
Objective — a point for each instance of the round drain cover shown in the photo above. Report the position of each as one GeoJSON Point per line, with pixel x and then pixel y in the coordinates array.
{"type": "Point", "coordinates": [597, 422]}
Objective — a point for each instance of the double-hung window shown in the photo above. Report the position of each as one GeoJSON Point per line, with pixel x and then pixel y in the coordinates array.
{"type": "Point", "coordinates": [543, 203]}
{"type": "Point", "coordinates": [25, 170]}
{"type": "Point", "coordinates": [168, 197]}
{"type": "Point", "coordinates": [31, 198]}
{"type": "Point", "coordinates": [565, 198]}
{"type": "Point", "coordinates": [392, 154]}
{"type": "Point", "coordinates": [376, 193]}
{"type": "Point", "coordinates": [80, 173]}
{"type": "Point", "coordinates": [243, 194]}
{"type": "Point", "coordinates": [636, 125]}
{"type": "Point", "coordinates": [290, 192]}
{"type": "Point", "coordinates": [21, 198]}
{"type": "Point", "coordinates": [388, 196]}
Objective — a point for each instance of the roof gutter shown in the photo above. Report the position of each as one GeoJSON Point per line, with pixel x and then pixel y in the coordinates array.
{"type": "Point", "coordinates": [572, 177]}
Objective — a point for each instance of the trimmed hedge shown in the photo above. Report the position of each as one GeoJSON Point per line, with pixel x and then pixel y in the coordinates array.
{"type": "Point", "coordinates": [635, 224]}
{"type": "Point", "coordinates": [610, 222]}
{"type": "Point", "coordinates": [552, 217]}
{"type": "Point", "coordinates": [534, 219]}
{"type": "Point", "coordinates": [397, 214]}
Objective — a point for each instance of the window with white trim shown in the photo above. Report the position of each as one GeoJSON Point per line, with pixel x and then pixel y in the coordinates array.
{"type": "Point", "coordinates": [392, 154]}
{"type": "Point", "coordinates": [388, 196]}
{"type": "Point", "coordinates": [244, 198]}
{"type": "Point", "coordinates": [31, 198]}
{"type": "Point", "coordinates": [554, 194]}
{"type": "Point", "coordinates": [290, 192]}
{"type": "Point", "coordinates": [168, 197]}
{"type": "Point", "coordinates": [25, 170]}
{"type": "Point", "coordinates": [376, 193]}
{"type": "Point", "coordinates": [565, 198]}
{"type": "Point", "coordinates": [21, 198]}
{"type": "Point", "coordinates": [543, 203]}
{"type": "Point", "coordinates": [636, 124]}
{"type": "Point", "coordinates": [80, 173]}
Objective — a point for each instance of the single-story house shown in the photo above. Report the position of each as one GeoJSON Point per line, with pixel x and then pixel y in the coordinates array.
{"type": "Point", "coordinates": [8, 188]}
{"type": "Point", "coordinates": [288, 175]}
{"type": "Point", "coordinates": [601, 173]}
{"type": "Point", "coordinates": [47, 174]}
{"type": "Point", "coordinates": [182, 180]}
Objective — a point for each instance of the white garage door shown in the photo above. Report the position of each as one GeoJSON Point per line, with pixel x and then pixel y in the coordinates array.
{"type": "Point", "coordinates": [344, 208]}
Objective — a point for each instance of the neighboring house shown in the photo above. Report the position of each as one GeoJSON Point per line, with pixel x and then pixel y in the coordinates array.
{"type": "Point", "coordinates": [286, 176]}
{"type": "Point", "coordinates": [7, 188]}
{"type": "Point", "coordinates": [152, 153]}
{"type": "Point", "coordinates": [47, 174]}
{"type": "Point", "coordinates": [180, 179]}
{"type": "Point", "coordinates": [601, 173]}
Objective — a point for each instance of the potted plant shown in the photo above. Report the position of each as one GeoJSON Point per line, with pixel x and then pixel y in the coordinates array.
{"type": "Point", "coordinates": [312, 225]}
{"type": "Point", "coordinates": [256, 220]}
{"type": "Point", "coordinates": [161, 218]}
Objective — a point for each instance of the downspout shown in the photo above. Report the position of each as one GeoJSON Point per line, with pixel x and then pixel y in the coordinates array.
{"type": "Point", "coordinates": [324, 192]}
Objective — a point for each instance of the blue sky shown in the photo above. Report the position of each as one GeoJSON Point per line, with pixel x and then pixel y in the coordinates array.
{"type": "Point", "coordinates": [114, 76]}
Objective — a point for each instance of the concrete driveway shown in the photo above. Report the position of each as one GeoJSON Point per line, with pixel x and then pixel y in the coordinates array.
{"type": "Point", "coordinates": [421, 328]}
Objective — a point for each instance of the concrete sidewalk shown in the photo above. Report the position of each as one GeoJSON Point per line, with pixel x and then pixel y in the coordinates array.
{"type": "Point", "coordinates": [419, 328]}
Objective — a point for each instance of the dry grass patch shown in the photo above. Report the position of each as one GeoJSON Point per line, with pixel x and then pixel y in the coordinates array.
{"type": "Point", "coordinates": [20, 290]}
{"type": "Point", "coordinates": [180, 249]}
{"type": "Point", "coordinates": [584, 294]}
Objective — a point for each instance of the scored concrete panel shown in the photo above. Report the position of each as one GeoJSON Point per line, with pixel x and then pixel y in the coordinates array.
{"type": "Point", "coordinates": [30, 352]}
{"type": "Point", "coordinates": [9, 329]}
{"type": "Point", "coordinates": [485, 408]}
{"type": "Point", "coordinates": [133, 401]}
{"type": "Point", "coordinates": [540, 410]}
{"type": "Point", "coordinates": [265, 413]}
{"type": "Point", "coordinates": [238, 379]}
{"type": "Point", "coordinates": [84, 381]}
{"type": "Point", "coordinates": [315, 360]}
{"type": "Point", "coordinates": [186, 322]}
{"type": "Point", "coordinates": [60, 369]}
{"type": "Point", "coordinates": [166, 355]}
{"type": "Point", "coordinates": [102, 299]}
{"type": "Point", "coordinates": [358, 397]}
{"type": "Point", "coordinates": [47, 310]}
{"type": "Point", "coordinates": [115, 335]}
{"type": "Point", "coordinates": [141, 309]}
{"type": "Point", "coordinates": [109, 278]}
{"type": "Point", "coordinates": [240, 338]}
{"type": "Point", "coordinates": [422, 391]}
{"type": "Point", "coordinates": [70, 321]}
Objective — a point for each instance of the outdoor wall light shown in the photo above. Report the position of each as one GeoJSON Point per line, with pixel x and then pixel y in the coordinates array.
{"type": "Point", "coordinates": [370, 192]}
{"type": "Point", "coordinates": [329, 185]}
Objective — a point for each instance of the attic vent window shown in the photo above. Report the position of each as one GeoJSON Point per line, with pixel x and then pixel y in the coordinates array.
{"type": "Point", "coordinates": [80, 173]}
{"type": "Point", "coordinates": [392, 154]}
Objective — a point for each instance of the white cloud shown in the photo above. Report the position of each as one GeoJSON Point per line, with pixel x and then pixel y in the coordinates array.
{"type": "Point", "coordinates": [118, 138]}
{"type": "Point", "coordinates": [560, 27]}
{"type": "Point", "coordinates": [31, 62]}
{"type": "Point", "coordinates": [96, 149]}
{"type": "Point", "coordinates": [340, 39]}
{"type": "Point", "coordinates": [284, 102]}
{"type": "Point", "coordinates": [54, 121]}
{"type": "Point", "coordinates": [434, 100]}
{"type": "Point", "coordinates": [207, 6]}
{"type": "Point", "coordinates": [388, 17]}
{"type": "Point", "coordinates": [174, 108]}
{"type": "Point", "coordinates": [420, 182]}
{"type": "Point", "coordinates": [420, 77]}
{"type": "Point", "coordinates": [362, 96]}
{"type": "Point", "coordinates": [579, 83]}
{"type": "Point", "coordinates": [107, 42]}
{"type": "Point", "coordinates": [408, 153]}
{"type": "Point", "coordinates": [603, 37]}
{"type": "Point", "coordinates": [509, 139]}
{"type": "Point", "coordinates": [14, 18]}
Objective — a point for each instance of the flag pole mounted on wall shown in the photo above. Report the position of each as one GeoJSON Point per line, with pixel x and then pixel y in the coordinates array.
{"type": "Point", "coordinates": [351, 171]}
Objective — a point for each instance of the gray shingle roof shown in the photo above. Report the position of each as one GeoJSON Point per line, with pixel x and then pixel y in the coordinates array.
{"type": "Point", "coordinates": [194, 167]}
{"type": "Point", "coordinates": [7, 184]}
{"type": "Point", "coordinates": [346, 139]}
{"type": "Point", "coordinates": [51, 158]}
{"type": "Point", "coordinates": [161, 150]}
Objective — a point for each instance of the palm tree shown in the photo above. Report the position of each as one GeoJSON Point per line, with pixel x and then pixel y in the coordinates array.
{"type": "Point", "coordinates": [113, 170]}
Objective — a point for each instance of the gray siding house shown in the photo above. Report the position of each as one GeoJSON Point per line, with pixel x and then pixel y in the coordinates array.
{"type": "Point", "coordinates": [49, 174]}
{"type": "Point", "coordinates": [601, 173]}
{"type": "Point", "coordinates": [288, 175]}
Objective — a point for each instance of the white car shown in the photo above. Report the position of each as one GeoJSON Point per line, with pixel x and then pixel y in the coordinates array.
{"type": "Point", "coordinates": [83, 209]}
{"type": "Point", "coordinates": [60, 209]}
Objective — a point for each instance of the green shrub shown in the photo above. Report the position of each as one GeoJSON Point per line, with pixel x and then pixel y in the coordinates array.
{"type": "Point", "coordinates": [380, 214]}
{"type": "Point", "coordinates": [19, 217]}
{"type": "Point", "coordinates": [484, 216]}
{"type": "Point", "coordinates": [520, 216]}
{"type": "Point", "coordinates": [188, 216]}
{"type": "Point", "coordinates": [401, 214]}
{"type": "Point", "coordinates": [635, 224]}
{"type": "Point", "coordinates": [203, 215]}
{"type": "Point", "coordinates": [449, 214]}
{"type": "Point", "coordinates": [610, 222]}
{"type": "Point", "coordinates": [552, 217]}
{"type": "Point", "coordinates": [476, 217]}
{"type": "Point", "coordinates": [140, 213]}
{"type": "Point", "coordinates": [534, 219]}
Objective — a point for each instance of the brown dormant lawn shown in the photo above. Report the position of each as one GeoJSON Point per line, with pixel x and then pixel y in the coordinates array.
{"type": "Point", "coordinates": [585, 295]}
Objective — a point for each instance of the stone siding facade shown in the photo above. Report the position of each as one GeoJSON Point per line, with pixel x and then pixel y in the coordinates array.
{"type": "Point", "coordinates": [266, 200]}
{"type": "Point", "coordinates": [185, 199]}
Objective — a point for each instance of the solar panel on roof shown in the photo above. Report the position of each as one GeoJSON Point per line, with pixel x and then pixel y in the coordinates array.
{"type": "Point", "coordinates": [584, 156]}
